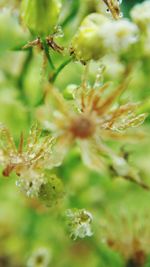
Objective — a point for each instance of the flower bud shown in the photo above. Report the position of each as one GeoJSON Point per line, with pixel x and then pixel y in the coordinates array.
{"type": "Point", "coordinates": [69, 91]}
{"type": "Point", "coordinates": [51, 191]}
{"type": "Point", "coordinates": [87, 43]}
{"type": "Point", "coordinates": [40, 16]}
{"type": "Point", "coordinates": [99, 36]}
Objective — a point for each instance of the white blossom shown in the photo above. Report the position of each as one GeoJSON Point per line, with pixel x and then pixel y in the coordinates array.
{"type": "Point", "coordinates": [141, 14]}
{"type": "Point", "coordinates": [119, 35]}
{"type": "Point", "coordinates": [30, 182]}
{"type": "Point", "coordinates": [40, 258]}
{"type": "Point", "coordinates": [80, 223]}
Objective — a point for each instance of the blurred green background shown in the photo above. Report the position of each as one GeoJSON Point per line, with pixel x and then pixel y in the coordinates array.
{"type": "Point", "coordinates": [25, 225]}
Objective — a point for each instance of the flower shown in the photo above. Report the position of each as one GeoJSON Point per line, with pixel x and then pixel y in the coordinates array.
{"type": "Point", "coordinates": [122, 34]}
{"type": "Point", "coordinates": [30, 164]}
{"type": "Point", "coordinates": [34, 155]}
{"type": "Point", "coordinates": [127, 234]}
{"type": "Point", "coordinates": [30, 182]}
{"type": "Point", "coordinates": [140, 14]}
{"type": "Point", "coordinates": [47, 187]}
{"type": "Point", "coordinates": [89, 120]}
{"type": "Point", "coordinates": [40, 258]}
{"type": "Point", "coordinates": [99, 36]}
{"type": "Point", "coordinates": [79, 222]}
{"type": "Point", "coordinates": [88, 43]}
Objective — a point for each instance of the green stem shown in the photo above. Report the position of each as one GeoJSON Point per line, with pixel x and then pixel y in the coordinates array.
{"type": "Point", "coordinates": [65, 63]}
{"type": "Point", "coordinates": [75, 8]}
{"type": "Point", "coordinates": [20, 47]}
{"type": "Point", "coordinates": [23, 75]}
{"type": "Point", "coordinates": [60, 68]}
{"type": "Point", "coordinates": [46, 49]}
{"type": "Point", "coordinates": [40, 102]}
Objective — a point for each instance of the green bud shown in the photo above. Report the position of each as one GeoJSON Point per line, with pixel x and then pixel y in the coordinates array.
{"type": "Point", "coordinates": [51, 191]}
{"type": "Point", "coordinates": [87, 43]}
{"type": "Point", "coordinates": [69, 91]}
{"type": "Point", "coordinates": [40, 16]}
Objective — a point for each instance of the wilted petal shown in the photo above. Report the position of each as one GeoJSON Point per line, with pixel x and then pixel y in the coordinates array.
{"type": "Point", "coordinates": [91, 155]}
{"type": "Point", "coordinates": [59, 151]}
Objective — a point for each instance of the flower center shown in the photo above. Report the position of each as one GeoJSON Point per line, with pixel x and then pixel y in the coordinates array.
{"type": "Point", "coordinates": [82, 127]}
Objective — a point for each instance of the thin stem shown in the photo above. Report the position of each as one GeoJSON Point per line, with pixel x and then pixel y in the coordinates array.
{"type": "Point", "coordinates": [46, 49]}
{"type": "Point", "coordinates": [41, 101]}
{"type": "Point", "coordinates": [20, 47]}
{"type": "Point", "coordinates": [138, 182]}
{"type": "Point", "coordinates": [59, 69]}
{"type": "Point", "coordinates": [73, 13]}
{"type": "Point", "coordinates": [23, 75]}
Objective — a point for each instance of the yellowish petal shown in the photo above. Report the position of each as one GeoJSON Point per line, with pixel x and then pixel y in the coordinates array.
{"type": "Point", "coordinates": [90, 155]}
{"type": "Point", "coordinates": [59, 151]}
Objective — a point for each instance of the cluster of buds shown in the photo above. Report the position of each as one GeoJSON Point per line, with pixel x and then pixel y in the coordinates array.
{"type": "Point", "coordinates": [98, 36]}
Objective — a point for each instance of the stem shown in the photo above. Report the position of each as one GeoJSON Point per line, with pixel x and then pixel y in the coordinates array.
{"type": "Point", "coordinates": [23, 75]}
{"type": "Point", "coordinates": [60, 68]}
{"type": "Point", "coordinates": [46, 49]}
{"type": "Point", "coordinates": [138, 182]}
{"type": "Point", "coordinates": [65, 63]}
{"type": "Point", "coordinates": [20, 47]}
{"type": "Point", "coordinates": [73, 13]}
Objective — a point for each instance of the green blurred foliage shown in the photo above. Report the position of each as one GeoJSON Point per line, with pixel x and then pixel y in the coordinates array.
{"type": "Point", "coordinates": [25, 224]}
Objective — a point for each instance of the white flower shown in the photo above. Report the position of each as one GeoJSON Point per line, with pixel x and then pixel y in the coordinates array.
{"type": "Point", "coordinates": [40, 258]}
{"type": "Point", "coordinates": [30, 182]}
{"type": "Point", "coordinates": [80, 223]}
{"type": "Point", "coordinates": [141, 14]}
{"type": "Point", "coordinates": [119, 35]}
{"type": "Point", "coordinates": [35, 153]}
{"type": "Point", "coordinates": [114, 67]}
